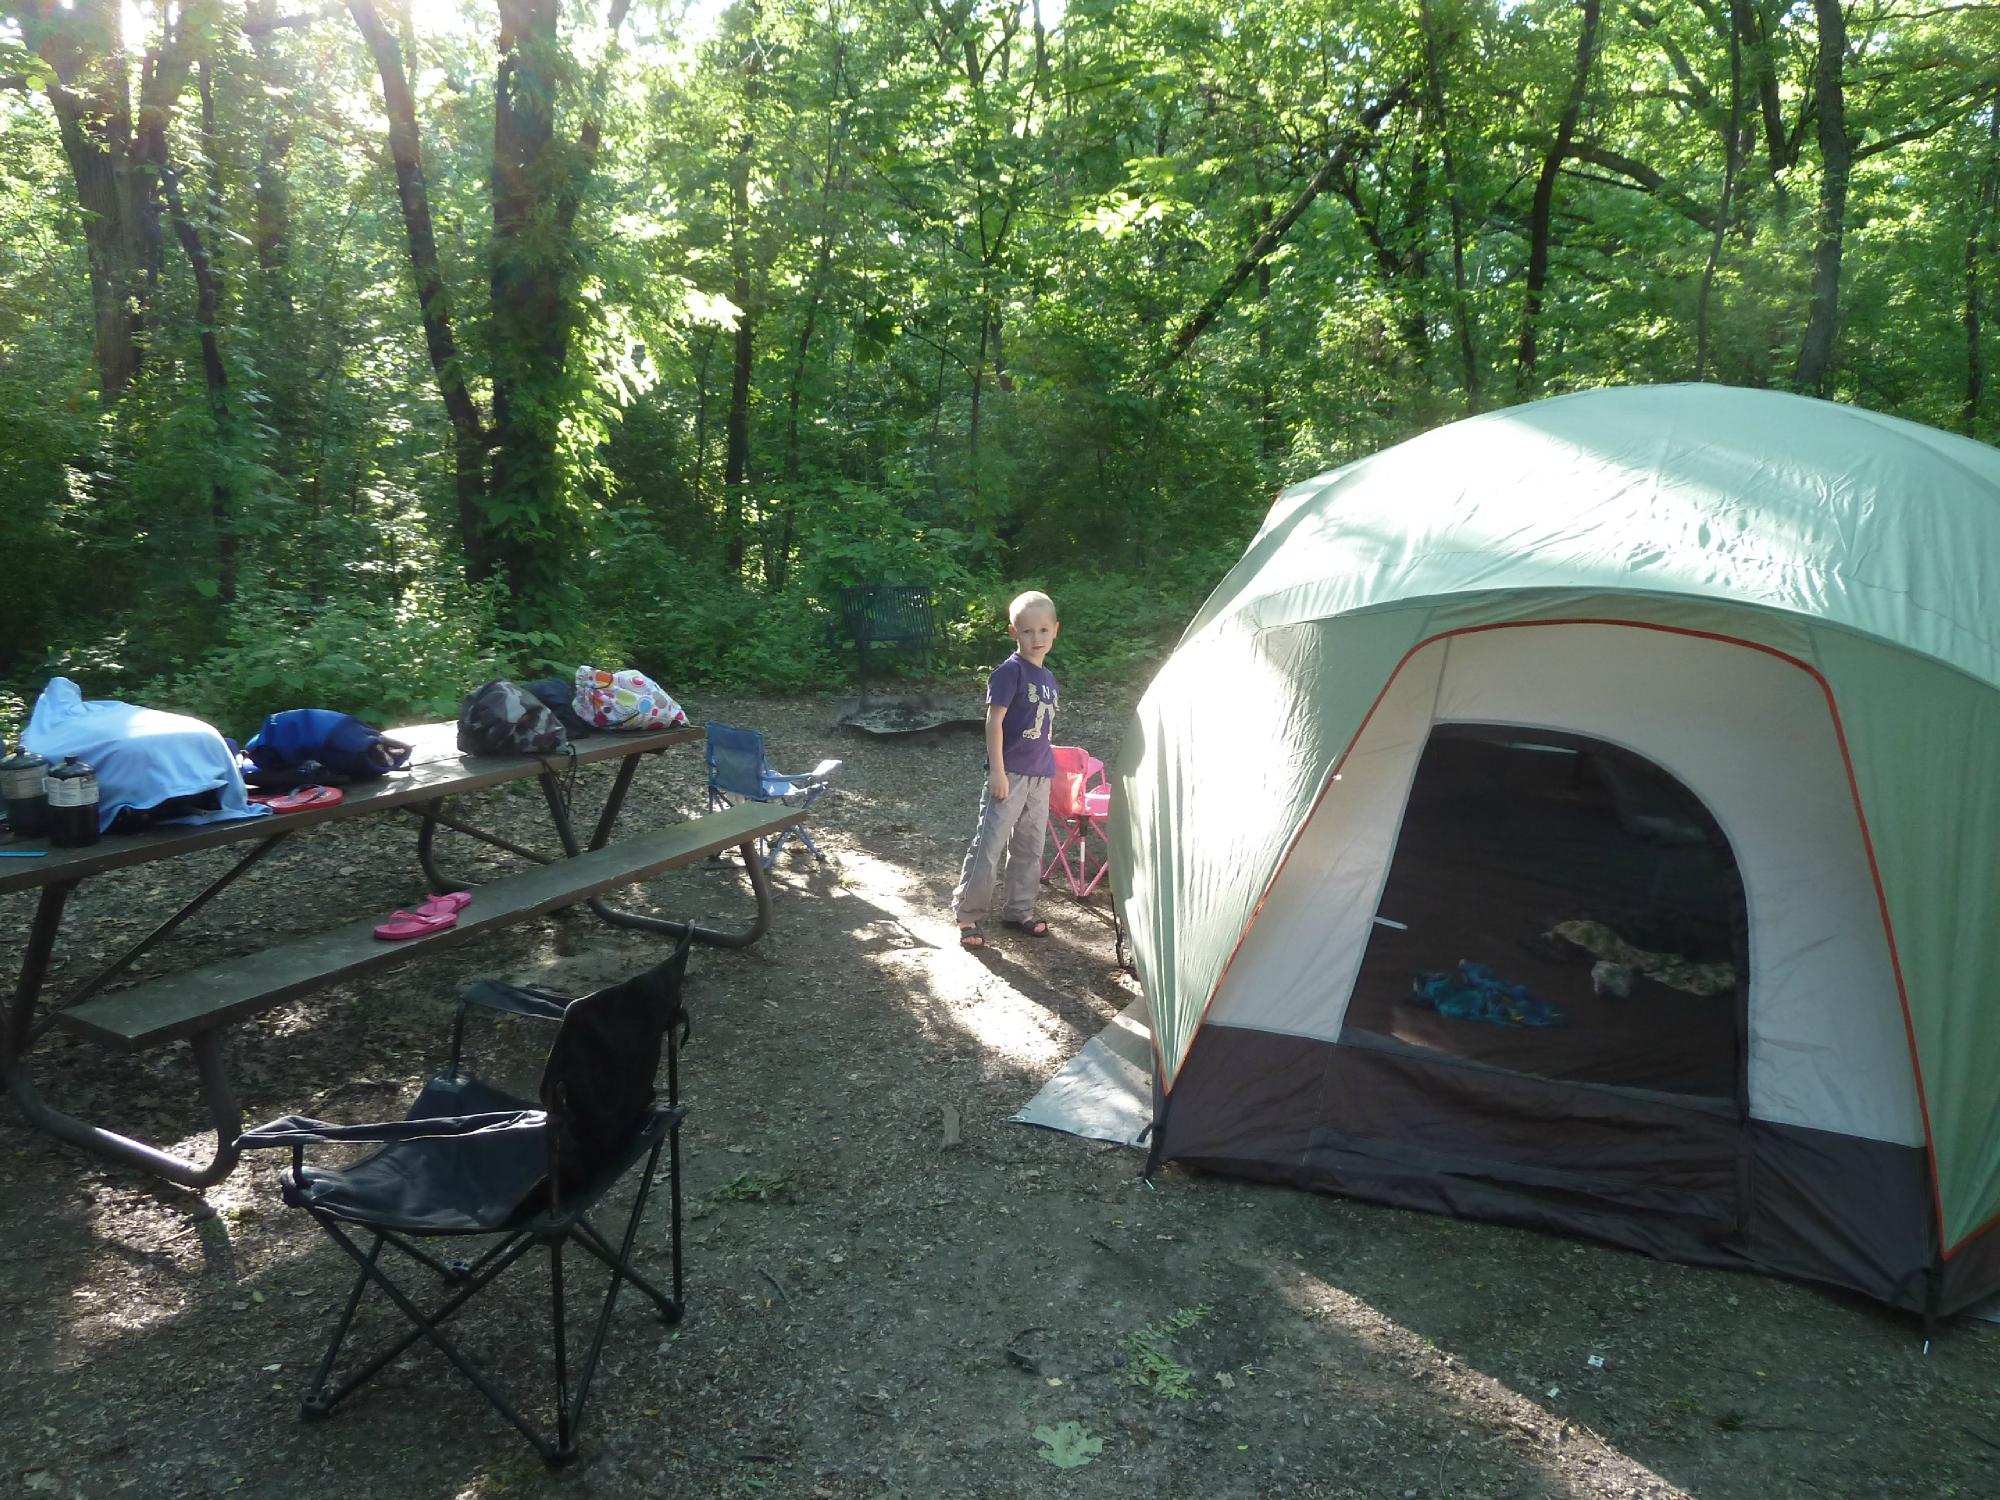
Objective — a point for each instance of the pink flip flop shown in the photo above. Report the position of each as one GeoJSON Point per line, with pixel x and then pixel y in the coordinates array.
{"type": "Point", "coordinates": [298, 799]}
{"type": "Point", "coordinates": [450, 904]}
{"type": "Point", "coordinates": [415, 924]}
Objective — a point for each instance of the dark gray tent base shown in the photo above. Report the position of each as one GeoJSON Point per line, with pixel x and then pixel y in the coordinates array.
{"type": "Point", "coordinates": [1678, 1178]}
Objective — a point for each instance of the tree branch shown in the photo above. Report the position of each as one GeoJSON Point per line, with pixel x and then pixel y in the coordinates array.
{"type": "Point", "coordinates": [1355, 143]}
{"type": "Point", "coordinates": [1704, 97]}
{"type": "Point", "coordinates": [1915, 133]}
{"type": "Point", "coordinates": [265, 25]}
{"type": "Point", "coordinates": [1643, 179]}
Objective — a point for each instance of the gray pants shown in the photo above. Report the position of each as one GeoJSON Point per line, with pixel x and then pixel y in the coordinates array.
{"type": "Point", "coordinates": [1011, 832]}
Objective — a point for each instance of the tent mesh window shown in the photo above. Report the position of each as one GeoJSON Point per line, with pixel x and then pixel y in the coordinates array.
{"type": "Point", "coordinates": [1564, 909]}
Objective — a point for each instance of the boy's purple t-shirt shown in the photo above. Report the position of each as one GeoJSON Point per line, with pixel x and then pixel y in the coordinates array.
{"type": "Point", "coordinates": [1027, 734]}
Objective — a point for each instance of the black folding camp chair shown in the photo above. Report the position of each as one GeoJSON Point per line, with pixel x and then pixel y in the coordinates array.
{"type": "Point", "coordinates": [470, 1159]}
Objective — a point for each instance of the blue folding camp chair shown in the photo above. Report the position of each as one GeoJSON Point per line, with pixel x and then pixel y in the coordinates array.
{"type": "Point", "coordinates": [738, 768]}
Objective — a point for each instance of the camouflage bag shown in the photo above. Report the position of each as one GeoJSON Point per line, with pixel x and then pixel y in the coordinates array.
{"type": "Point", "coordinates": [501, 718]}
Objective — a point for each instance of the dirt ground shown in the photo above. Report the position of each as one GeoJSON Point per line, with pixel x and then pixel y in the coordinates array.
{"type": "Point", "coordinates": [892, 1290]}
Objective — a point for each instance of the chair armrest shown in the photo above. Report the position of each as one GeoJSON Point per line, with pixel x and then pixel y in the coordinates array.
{"type": "Point", "coordinates": [294, 1131]}
{"type": "Point", "coordinates": [818, 773]}
{"type": "Point", "coordinates": [515, 999]}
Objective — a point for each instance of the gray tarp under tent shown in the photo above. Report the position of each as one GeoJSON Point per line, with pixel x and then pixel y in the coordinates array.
{"type": "Point", "coordinates": [1696, 681]}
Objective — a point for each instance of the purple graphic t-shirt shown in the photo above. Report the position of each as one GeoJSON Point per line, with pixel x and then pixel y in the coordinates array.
{"type": "Point", "coordinates": [1027, 735]}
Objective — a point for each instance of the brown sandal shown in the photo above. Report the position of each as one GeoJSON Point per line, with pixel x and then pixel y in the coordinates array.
{"type": "Point", "coordinates": [969, 936]}
{"type": "Point", "coordinates": [1034, 926]}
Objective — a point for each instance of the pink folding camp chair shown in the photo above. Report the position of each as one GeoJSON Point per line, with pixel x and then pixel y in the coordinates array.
{"type": "Point", "coordinates": [1079, 805]}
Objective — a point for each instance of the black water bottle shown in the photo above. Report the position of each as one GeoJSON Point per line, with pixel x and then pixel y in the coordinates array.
{"type": "Point", "coordinates": [72, 793]}
{"type": "Point", "coordinates": [21, 786]}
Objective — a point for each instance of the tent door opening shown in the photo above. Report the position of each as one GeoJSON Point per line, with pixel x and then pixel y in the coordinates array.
{"type": "Point", "coordinates": [1569, 914]}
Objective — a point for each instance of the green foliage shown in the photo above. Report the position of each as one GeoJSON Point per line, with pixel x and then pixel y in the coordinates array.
{"type": "Point", "coordinates": [858, 533]}
{"type": "Point", "coordinates": [1149, 1353]}
{"type": "Point", "coordinates": [754, 1187]}
{"type": "Point", "coordinates": [684, 622]}
{"type": "Point", "coordinates": [387, 663]}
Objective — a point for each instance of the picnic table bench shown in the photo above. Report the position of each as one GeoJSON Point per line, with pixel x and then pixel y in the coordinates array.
{"type": "Point", "coordinates": [199, 1004]}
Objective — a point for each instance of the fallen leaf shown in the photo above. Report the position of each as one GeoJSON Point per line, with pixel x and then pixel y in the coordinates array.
{"type": "Point", "coordinates": [1069, 1445]}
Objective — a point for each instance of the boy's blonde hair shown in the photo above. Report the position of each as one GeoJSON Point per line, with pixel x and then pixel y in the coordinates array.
{"type": "Point", "coordinates": [1033, 599]}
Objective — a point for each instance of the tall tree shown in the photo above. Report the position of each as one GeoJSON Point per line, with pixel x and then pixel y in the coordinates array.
{"type": "Point", "coordinates": [1542, 215]}
{"type": "Point", "coordinates": [1836, 153]}
{"type": "Point", "coordinates": [1982, 239]}
{"type": "Point", "coordinates": [118, 153]}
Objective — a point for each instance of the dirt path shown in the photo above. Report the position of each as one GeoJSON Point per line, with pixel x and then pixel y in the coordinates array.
{"type": "Point", "coordinates": [877, 1308]}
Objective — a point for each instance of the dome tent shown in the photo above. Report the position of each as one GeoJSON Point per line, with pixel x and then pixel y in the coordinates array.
{"type": "Point", "coordinates": [1655, 661]}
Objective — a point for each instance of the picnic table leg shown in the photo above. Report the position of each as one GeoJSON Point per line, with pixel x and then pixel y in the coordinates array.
{"type": "Point", "coordinates": [20, 1021]}
{"type": "Point", "coordinates": [223, 1112]}
{"type": "Point", "coordinates": [613, 803]}
{"type": "Point", "coordinates": [17, 1035]}
{"type": "Point", "coordinates": [160, 933]}
{"type": "Point", "coordinates": [760, 884]}
{"type": "Point", "coordinates": [432, 813]}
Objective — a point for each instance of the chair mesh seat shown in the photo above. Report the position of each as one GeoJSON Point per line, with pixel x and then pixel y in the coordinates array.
{"type": "Point", "coordinates": [465, 1184]}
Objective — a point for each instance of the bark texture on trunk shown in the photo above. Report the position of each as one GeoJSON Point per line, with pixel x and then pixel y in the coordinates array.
{"type": "Point", "coordinates": [468, 436]}
{"type": "Point", "coordinates": [1542, 216]}
{"type": "Point", "coordinates": [1836, 162]}
{"type": "Point", "coordinates": [215, 377]}
{"type": "Point", "coordinates": [529, 310]}
{"type": "Point", "coordinates": [736, 427]}
{"type": "Point", "coordinates": [117, 155]}
{"type": "Point", "coordinates": [1982, 238]}
{"type": "Point", "coordinates": [1732, 163]}
{"type": "Point", "coordinates": [1440, 123]}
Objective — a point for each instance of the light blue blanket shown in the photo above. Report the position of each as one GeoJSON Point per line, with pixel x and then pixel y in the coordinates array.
{"type": "Point", "coordinates": [141, 756]}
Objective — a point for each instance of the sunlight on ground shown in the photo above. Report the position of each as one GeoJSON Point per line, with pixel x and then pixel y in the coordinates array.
{"type": "Point", "coordinates": [129, 1228]}
{"type": "Point", "coordinates": [995, 1014]}
{"type": "Point", "coordinates": [1498, 1409]}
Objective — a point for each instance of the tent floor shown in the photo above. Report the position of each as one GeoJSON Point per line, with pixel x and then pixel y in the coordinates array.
{"type": "Point", "coordinates": [1501, 842]}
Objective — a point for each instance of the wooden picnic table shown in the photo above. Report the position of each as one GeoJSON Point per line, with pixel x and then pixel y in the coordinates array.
{"type": "Point", "coordinates": [199, 1004]}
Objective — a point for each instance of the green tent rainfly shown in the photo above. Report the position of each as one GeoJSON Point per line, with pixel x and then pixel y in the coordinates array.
{"type": "Point", "coordinates": [1753, 636]}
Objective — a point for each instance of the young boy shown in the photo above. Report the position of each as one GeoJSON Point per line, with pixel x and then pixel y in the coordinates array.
{"type": "Point", "coordinates": [1020, 760]}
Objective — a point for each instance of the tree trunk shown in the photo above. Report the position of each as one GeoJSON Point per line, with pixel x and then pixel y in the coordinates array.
{"type": "Point", "coordinates": [778, 550]}
{"type": "Point", "coordinates": [216, 377]}
{"type": "Point", "coordinates": [978, 393]}
{"type": "Point", "coordinates": [1440, 121]}
{"type": "Point", "coordinates": [1266, 391]}
{"type": "Point", "coordinates": [271, 208]}
{"type": "Point", "coordinates": [1732, 163]}
{"type": "Point", "coordinates": [412, 191]}
{"type": "Point", "coordinates": [116, 158]}
{"type": "Point", "coordinates": [530, 314]}
{"type": "Point", "coordinates": [1541, 217]}
{"type": "Point", "coordinates": [1780, 149]}
{"type": "Point", "coordinates": [1980, 238]}
{"type": "Point", "coordinates": [1836, 158]}
{"type": "Point", "coordinates": [701, 419]}
{"type": "Point", "coordinates": [736, 452]}
{"type": "Point", "coordinates": [778, 553]}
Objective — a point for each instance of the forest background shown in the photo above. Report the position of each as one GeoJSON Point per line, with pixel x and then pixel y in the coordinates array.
{"type": "Point", "coordinates": [351, 355]}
